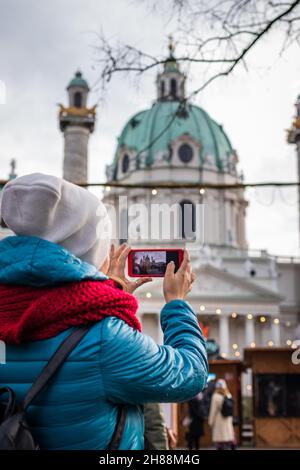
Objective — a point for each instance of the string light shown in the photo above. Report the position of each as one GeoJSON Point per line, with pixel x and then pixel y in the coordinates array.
{"type": "Point", "coordinates": [218, 311]}
{"type": "Point", "coordinates": [249, 387]}
{"type": "Point", "coordinates": [107, 188]}
{"type": "Point", "coordinates": [202, 308]}
{"type": "Point", "coordinates": [249, 316]}
{"type": "Point", "coordinates": [265, 203]}
{"type": "Point", "coordinates": [253, 344]}
{"type": "Point", "coordinates": [234, 346]}
{"type": "Point", "coordinates": [223, 354]}
{"type": "Point", "coordinates": [285, 201]}
{"type": "Point", "coordinates": [262, 319]}
{"type": "Point", "coordinates": [154, 192]}
{"type": "Point", "coordinates": [148, 295]}
{"type": "Point", "coordinates": [294, 346]}
{"type": "Point", "coordinates": [202, 191]}
{"type": "Point", "coordinates": [216, 186]}
{"type": "Point", "coordinates": [270, 343]}
{"type": "Point", "coordinates": [289, 342]}
{"type": "Point", "coordinates": [276, 321]}
{"type": "Point", "coordinates": [234, 315]}
{"type": "Point", "coordinates": [237, 353]}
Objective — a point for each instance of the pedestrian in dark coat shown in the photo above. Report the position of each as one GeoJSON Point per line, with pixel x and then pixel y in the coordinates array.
{"type": "Point", "coordinates": [196, 422]}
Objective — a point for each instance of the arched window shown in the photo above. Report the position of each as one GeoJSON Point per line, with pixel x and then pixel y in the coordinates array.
{"type": "Point", "coordinates": [173, 88]}
{"type": "Point", "coordinates": [78, 99]}
{"type": "Point", "coordinates": [187, 219]}
{"type": "Point", "coordinates": [125, 163]}
{"type": "Point", "coordinates": [185, 153]}
{"type": "Point", "coordinates": [162, 89]}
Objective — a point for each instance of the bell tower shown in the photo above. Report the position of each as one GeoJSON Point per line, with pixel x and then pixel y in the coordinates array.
{"type": "Point", "coordinates": [77, 122]}
{"type": "Point", "coordinates": [171, 82]}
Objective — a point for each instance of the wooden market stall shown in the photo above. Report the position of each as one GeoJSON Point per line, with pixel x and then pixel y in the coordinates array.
{"type": "Point", "coordinates": [230, 370]}
{"type": "Point", "coordinates": [276, 396]}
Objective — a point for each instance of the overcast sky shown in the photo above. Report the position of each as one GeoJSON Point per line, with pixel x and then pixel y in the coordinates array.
{"type": "Point", "coordinates": [42, 44]}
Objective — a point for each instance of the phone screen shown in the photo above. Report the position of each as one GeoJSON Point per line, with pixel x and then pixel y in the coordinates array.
{"type": "Point", "coordinates": [152, 262]}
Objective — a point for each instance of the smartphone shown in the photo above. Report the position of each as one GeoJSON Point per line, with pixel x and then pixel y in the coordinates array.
{"type": "Point", "coordinates": [152, 262]}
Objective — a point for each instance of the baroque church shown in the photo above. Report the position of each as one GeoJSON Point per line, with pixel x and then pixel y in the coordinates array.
{"type": "Point", "coordinates": [244, 298]}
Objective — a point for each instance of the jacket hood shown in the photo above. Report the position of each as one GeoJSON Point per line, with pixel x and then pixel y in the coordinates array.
{"type": "Point", "coordinates": [32, 261]}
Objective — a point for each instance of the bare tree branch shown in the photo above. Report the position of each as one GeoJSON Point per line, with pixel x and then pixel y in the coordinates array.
{"type": "Point", "coordinates": [216, 34]}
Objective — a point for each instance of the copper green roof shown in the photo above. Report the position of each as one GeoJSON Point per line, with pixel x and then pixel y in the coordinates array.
{"type": "Point", "coordinates": [78, 81]}
{"type": "Point", "coordinates": [171, 66]}
{"type": "Point", "coordinates": [150, 132]}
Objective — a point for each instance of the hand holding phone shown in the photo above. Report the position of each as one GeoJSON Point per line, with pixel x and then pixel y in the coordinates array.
{"type": "Point", "coordinates": [153, 262]}
{"type": "Point", "coordinates": [116, 270]}
{"type": "Point", "coordinates": [178, 284]}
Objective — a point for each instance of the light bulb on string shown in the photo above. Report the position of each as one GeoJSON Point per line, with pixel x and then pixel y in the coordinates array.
{"type": "Point", "coordinates": [283, 199]}
{"type": "Point", "coordinates": [270, 202]}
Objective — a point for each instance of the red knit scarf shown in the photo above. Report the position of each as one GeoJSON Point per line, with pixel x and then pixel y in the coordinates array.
{"type": "Point", "coordinates": [29, 313]}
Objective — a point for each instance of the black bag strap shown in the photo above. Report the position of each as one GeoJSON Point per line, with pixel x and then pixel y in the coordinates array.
{"type": "Point", "coordinates": [54, 363]}
{"type": "Point", "coordinates": [10, 402]}
{"type": "Point", "coordinates": [50, 369]}
{"type": "Point", "coordinates": [119, 429]}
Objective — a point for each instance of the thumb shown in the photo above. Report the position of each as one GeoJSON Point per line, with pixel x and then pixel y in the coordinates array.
{"type": "Point", "coordinates": [112, 250]}
{"type": "Point", "coordinates": [170, 269]}
{"type": "Point", "coordinates": [142, 281]}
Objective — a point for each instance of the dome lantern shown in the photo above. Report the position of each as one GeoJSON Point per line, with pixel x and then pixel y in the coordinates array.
{"type": "Point", "coordinates": [171, 82]}
{"type": "Point", "coordinates": [78, 91]}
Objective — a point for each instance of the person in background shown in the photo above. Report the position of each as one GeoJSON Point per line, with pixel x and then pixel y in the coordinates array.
{"type": "Point", "coordinates": [195, 431]}
{"type": "Point", "coordinates": [220, 417]}
{"type": "Point", "coordinates": [155, 433]}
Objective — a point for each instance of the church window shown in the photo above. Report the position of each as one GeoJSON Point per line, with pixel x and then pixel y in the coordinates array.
{"type": "Point", "coordinates": [185, 153]}
{"type": "Point", "coordinates": [125, 163]}
{"type": "Point", "coordinates": [78, 99]}
{"type": "Point", "coordinates": [173, 88]}
{"type": "Point", "coordinates": [134, 122]}
{"type": "Point", "coordinates": [187, 219]}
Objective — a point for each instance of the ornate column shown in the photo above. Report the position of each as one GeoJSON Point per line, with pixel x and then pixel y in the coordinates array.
{"type": "Point", "coordinates": [224, 334]}
{"type": "Point", "coordinates": [77, 122]}
{"type": "Point", "coordinates": [275, 331]}
{"type": "Point", "coordinates": [249, 330]}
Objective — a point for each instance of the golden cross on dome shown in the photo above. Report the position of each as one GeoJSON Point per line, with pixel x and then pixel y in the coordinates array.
{"type": "Point", "coordinates": [171, 45]}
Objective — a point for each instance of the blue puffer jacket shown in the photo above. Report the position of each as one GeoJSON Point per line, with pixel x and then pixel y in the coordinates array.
{"type": "Point", "coordinates": [113, 364]}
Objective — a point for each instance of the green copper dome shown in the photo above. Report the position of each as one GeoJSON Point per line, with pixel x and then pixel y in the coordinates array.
{"type": "Point", "coordinates": [150, 133]}
{"type": "Point", "coordinates": [78, 81]}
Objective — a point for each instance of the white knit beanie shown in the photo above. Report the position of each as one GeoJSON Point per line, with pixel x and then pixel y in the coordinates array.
{"type": "Point", "coordinates": [58, 211]}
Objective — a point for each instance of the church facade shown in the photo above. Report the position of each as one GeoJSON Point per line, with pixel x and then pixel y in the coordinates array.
{"type": "Point", "coordinates": [244, 298]}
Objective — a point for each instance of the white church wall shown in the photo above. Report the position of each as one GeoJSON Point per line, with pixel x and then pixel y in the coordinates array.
{"type": "Point", "coordinates": [150, 325]}
{"type": "Point", "coordinates": [289, 281]}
